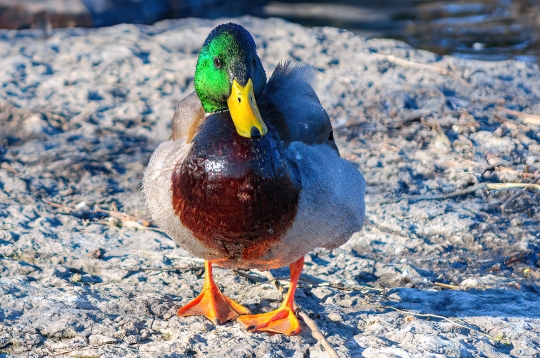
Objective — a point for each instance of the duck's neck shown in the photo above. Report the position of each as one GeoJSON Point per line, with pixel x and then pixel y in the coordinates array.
{"type": "Point", "coordinates": [237, 195]}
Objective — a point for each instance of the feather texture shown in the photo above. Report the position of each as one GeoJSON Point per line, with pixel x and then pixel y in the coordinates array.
{"type": "Point", "coordinates": [290, 90]}
{"type": "Point", "coordinates": [331, 203]}
{"type": "Point", "coordinates": [188, 116]}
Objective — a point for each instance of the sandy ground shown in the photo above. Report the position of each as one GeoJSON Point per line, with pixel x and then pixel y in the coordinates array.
{"type": "Point", "coordinates": [82, 111]}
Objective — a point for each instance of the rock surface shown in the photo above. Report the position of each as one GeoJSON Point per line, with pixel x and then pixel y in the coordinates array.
{"type": "Point", "coordinates": [82, 111]}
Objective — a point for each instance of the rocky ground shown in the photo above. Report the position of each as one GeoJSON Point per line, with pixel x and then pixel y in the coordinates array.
{"type": "Point", "coordinates": [439, 270]}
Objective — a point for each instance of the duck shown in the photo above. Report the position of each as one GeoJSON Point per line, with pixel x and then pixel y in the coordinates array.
{"type": "Point", "coordinates": [251, 176]}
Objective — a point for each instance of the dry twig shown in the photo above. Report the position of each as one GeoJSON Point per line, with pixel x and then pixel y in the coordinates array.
{"type": "Point", "coordinates": [492, 186]}
{"type": "Point", "coordinates": [247, 275]}
{"type": "Point", "coordinates": [117, 214]}
{"type": "Point", "coordinates": [315, 332]}
{"type": "Point", "coordinates": [406, 63]}
{"type": "Point", "coordinates": [489, 100]}
{"type": "Point", "coordinates": [468, 190]}
{"type": "Point", "coordinates": [8, 167]}
{"type": "Point", "coordinates": [506, 121]}
{"type": "Point", "coordinates": [502, 186]}
{"type": "Point", "coordinates": [513, 171]}
{"type": "Point", "coordinates": [128, 221]}
{"type": "Point", "coordinates": [61, 353]}
{"type": "Point", "coordinates": [444, 285]}
{"type": "Point", "coordinates": [527, 118]}
{"type": "Point", "coordinates": [189, 267]}
{"type": "Point", "coordinates": [59, 206]}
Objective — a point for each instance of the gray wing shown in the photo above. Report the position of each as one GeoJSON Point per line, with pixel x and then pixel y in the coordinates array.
{"type": "Point", "coordinates": [331, 206]}
{"type": "Point", "coordinates": [289, 89]}
{"type": "Point", "coordinates": [188, 116]}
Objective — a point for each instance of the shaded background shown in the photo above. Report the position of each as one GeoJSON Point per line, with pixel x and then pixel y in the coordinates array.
{"type": "Point", "coordinates": [484, 29]}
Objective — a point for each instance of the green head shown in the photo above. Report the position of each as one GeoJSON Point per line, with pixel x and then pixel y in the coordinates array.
{"type": "Point", "coordinates": [228, 54]}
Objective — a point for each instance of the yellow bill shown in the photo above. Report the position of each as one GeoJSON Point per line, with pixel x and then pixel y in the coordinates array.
{"type": "Point", "coordinates": [244, 111]}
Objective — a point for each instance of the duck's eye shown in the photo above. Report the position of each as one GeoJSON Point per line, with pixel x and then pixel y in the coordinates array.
{"type": "Point", "coordinates": [254, 62]}
{"type": "Point", "coordinates": [217, 62]}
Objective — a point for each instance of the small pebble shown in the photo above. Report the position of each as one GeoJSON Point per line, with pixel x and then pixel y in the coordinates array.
{"type": "Point", "coordinates": [516, 222]}
{"type": "Point", "coordinates": [96, 254]}
{"type": "Point", "coordinates": [131, 339]}
{"type": "Point", "coordinates": [495, 268]}
{"type": "Point", "coordinates": [470, 282]}
{"type": "Point", "coordinates": [335, 317]}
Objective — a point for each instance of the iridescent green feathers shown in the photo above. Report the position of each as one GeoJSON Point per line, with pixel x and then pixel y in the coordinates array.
{"type": "Point", "coordinates": [228, 53]}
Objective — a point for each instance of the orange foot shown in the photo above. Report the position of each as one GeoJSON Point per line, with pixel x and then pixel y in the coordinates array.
{"type": "Point", "coordinates": [282, 320]}
{"type": "Point", "coordinates": [213, 304]}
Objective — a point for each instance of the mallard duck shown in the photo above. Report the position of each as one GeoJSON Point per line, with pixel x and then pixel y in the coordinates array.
{"type": "Point", "coordinates": [251, 176]}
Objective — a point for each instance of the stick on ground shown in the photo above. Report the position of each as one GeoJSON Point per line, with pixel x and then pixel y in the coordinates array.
{"type": "Point", "coordinates": [468, 190]}
{"type": "Point", "coordinates": [525, 187]}
{"type": "Point", "coordinates": [315, 332]}
{"type": "Point", "coordinates": [406, 63]}
{"type": "Point", "coordinates": [527, 118]}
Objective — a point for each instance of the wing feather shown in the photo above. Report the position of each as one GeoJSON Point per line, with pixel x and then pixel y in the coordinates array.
{"type": "Point", "coordinates": [290, 90]}
{"type": "Point", "coordinates": [189, 115]}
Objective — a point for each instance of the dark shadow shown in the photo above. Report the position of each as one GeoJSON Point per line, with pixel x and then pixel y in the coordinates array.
{"type": "Point", "coordinates": [366, 277]}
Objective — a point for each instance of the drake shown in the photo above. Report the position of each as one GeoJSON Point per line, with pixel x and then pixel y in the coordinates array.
{"type": "Point", "coordinates": [251, 176]}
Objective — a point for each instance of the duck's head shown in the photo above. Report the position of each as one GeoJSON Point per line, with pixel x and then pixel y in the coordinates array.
{"type": "Point", "coordinates": [230, 75]}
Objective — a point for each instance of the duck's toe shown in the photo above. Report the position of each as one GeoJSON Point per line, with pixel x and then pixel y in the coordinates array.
{"type": "Point", "coordinates": [283, 320]}
{"type": "Point", "coordinates": [213, 304]}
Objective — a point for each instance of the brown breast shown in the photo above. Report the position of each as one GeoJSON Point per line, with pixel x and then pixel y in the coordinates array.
{"type": "Point", "coordinates": [237, 195]}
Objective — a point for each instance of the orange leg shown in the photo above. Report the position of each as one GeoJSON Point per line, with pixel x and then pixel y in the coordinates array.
{"type": "Point", "coordinates": [211, 303]}
{"type": "Point", "coordinates": [282, 320]}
